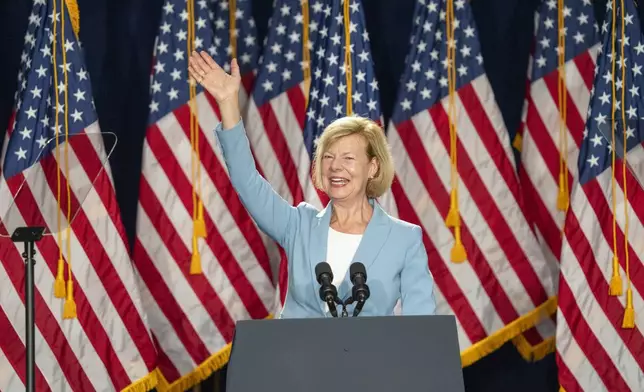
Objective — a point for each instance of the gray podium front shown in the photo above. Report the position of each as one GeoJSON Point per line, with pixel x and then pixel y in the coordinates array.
{"type": "Point", "coordinates": [362, 354]}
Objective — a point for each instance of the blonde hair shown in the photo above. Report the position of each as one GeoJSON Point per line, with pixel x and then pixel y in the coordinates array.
{"type": "Point", "coordinates": [377, 147]}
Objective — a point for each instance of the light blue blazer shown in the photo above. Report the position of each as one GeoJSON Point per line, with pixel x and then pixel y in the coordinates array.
{"type": "Point", "coordinates": [391, 250]}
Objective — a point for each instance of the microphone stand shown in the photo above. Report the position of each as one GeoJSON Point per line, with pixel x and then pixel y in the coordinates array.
{"type": "Point", "coordinates": [349, 301]}
{"type": "Point", "coordinates": [330, 303]}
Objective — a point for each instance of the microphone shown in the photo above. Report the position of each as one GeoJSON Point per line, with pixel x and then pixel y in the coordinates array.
{"type": "Point", "coordinates": [360, 291]}
{"type": "Point", "coordinates": [328, 292]}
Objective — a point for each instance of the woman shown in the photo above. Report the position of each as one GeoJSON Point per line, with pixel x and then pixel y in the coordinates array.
{"type": "Point", "coordinates": [353, 165]}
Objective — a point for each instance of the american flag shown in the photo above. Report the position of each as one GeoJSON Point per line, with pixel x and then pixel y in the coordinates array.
{"type": "Point", "coordinates": [193, 313]}
{"type": "Point", "coordinates": [504, 286]}
{"type": "Point", "coordinates": [550, 140]}
{"type": "Point", "coordinates": [302, 86]}
{"type": "Point", "coordinates": [601, 312]}
{"type": "Point", "coordinates": [104, 343]}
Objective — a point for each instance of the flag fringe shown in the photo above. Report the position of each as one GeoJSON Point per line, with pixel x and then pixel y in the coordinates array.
{"type": "Point", "coordinates": [534, 353]}
{"type": "Point", "coordinates": [144, 384]}
{"type": "Point", "coordinates": [499, 338]}
{"type": "Point", "coordinates": [215, 362]}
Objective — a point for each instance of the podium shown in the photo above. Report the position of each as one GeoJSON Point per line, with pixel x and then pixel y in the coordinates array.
{"type": "Point", "coordinates": [361, 354]}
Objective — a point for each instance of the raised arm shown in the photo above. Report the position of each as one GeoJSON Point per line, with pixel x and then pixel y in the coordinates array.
{"type": "Point", "coordinates": [416, 282]}
{"type": "Point", "coordinates": [273, 214]}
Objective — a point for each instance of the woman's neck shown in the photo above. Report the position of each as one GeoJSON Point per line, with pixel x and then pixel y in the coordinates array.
{"type": "Point", "coordinates": [352, 218]}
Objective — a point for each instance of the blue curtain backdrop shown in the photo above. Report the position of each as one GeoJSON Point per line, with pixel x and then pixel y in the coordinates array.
{"type": "Point", "coordinates": [118, 36]}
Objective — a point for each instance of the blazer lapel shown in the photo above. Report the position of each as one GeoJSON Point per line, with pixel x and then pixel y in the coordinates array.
{"type": "Point", "coordinates": [318, 247]}
{"type": "Point", "coordinates": [372, 241]}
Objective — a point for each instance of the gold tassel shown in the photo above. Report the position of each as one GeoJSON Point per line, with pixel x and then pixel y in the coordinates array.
{"type": "Point", "coordinates": [199, 229]}
{"type": "Point", "coordinates": [195, 263]}
{"type": "Point", "coordinates": [69, 310]}
{"type": "Point", "coordinates": [306, 55]}
{"type": "Point", "coordinates": [458, 254]}
{"type": "Point", "coordinates": [74, 16]}
{"type": "Point", "coordinates": [629, 312]}
{"type": "Point", "coordinates": [453, 218]}
{"type": "Point", "coordinates": [59, 284]}
{"type": "Point", "coordinates": [562, 198]}
{"type": "Point", "coordinates": [347, 58]}
{"type": "Point", "coordinates": [616, 280]}
{"type": "Point", "coordinates": [517, 143]}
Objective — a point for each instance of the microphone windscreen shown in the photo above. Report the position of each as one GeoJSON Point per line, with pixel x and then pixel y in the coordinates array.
{"type": "Point", "coordinates": [357, 268]}
{"type": "Point", "coordinates": [323, 268]}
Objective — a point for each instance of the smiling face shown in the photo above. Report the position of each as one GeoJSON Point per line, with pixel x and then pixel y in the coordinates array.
{"type": "Point", "coordinates": [349, 152]}
{"type": "Point", "coordinates": [346, 168]}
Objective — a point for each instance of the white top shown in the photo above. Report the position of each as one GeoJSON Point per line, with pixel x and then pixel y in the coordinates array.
{"type": "Point", "coordinates": [340, 250]}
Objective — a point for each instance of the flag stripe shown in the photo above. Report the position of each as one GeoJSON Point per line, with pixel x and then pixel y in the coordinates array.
{"type": "Point", "coordinates": [165, 340]}
{"type": "Point", "coordinates": [419, 160]}
{"type": "Point", "coordinates": [223, 269]}
{"type": "Point", "coordinates": [177, 244]}
{"type": "Point", "coordinates": [103, 250]}
{"type": "Point", "coordinates": [539, 150]}
{"type": "Point", "coordinates": [289, 113]}
{"type": "Point", "coordinates": [11, 344]}
{"type": "Point", "coordinates": [216, 181]}
{"type": "Point", "coordinates": [266, 158]}
{"type": "Point", "coordinates": [166, 365]}
{"type": "Point", "coordinates": [592, 348]}
{"type": "Point", "coordinates": [491, 135]}
{"type": "Point", "coordinates": [432, 181]}
{"type": "Point", "coordinates": [297, 101]}
{"type": "Point", "coordinates": [44, 320]}
{"type": "Point", "coordinates": [612, 307]}
{"type": "Point", "coordinates": [120, 306]}
{"type": "Point", "coordinates": [155, 281]}
{"type": "Point", "coordinates": [598, 200]}
{"type": "Point", "coordinates": [508, 227]}
{"type": "Point", "coordinates": [240, 234]}
{"type": "Point", "coordinates": [214, 276]}
{"type": "Point", "coordinates": [86, 315]}
{"type": "Point", "coordinates": [91, 248]}
{"type": "Point", "coordinates": [547, 228]}
{"type": "Point", "coordinates": [542, 151]}
{"type": "Point", "coordinates": [578, 360]}
{"type": "Point", "coordinates": [271, 126]}
{"type": "Point", "coordinates": [585, 63]}
{"type": "Point", "coordinates": [445, 281]}
{"type": "Point", "coordinates": [106, 338]}
{"type": "Point", "coordinates": [574, 115]}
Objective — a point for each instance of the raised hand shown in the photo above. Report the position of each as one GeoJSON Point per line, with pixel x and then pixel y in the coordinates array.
{"type": "Point", "coordinates": [221, 85]}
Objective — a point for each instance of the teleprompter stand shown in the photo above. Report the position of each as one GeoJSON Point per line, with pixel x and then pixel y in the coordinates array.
{"type": "Point", "coordinates": [374, 354]}
{"type": "Point", "coordinates": [35, 212]}
{"type": "Point", "coordinates": [29, 236]}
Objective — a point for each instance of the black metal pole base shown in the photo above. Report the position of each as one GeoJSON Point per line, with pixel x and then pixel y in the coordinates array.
{"type": "Point", "coordinates": [29, 236]}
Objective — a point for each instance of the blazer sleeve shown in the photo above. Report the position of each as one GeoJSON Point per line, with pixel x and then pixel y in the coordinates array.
{"type": "Point", "coordinates": [416, 281]}
{"type": "Point", "coordinates": [273, 214]}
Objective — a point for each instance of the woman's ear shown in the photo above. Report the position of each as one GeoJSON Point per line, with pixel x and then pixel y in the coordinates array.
{"type": "Point", "coordinates": [373, 167]}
